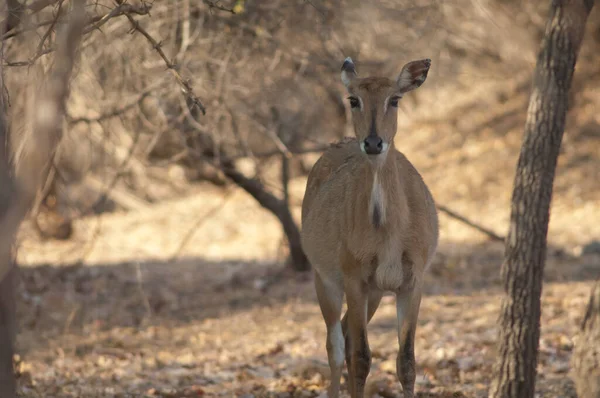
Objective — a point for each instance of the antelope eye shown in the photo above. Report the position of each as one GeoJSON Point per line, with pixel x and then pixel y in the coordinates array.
{"type": "Point", "coordinates": [354, 102]}
{"type": "Point", "coordinates": [394, 101]}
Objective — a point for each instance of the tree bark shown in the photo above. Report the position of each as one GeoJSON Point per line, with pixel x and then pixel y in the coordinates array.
{"type": "Point", "coordinates": [202, 151]}
{"type": "Point", "coordinates": [7, 309]}
{"type": "Point", "coordinates": [276, 206]}
{"type": "Point", "coordinates": [586, 356]}
{"type": "Point", "coordinates": [7, 332]}
{"type": "Point", "coordinates": [22, 173]}
{"type": "Point", "coordinates": [525, 252]}
{"type": "Point", "coordinates": [7, 229]}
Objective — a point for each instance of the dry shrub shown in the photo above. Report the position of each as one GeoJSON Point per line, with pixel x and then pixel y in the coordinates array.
{"type": "Point", "coordinates": [268, 78]}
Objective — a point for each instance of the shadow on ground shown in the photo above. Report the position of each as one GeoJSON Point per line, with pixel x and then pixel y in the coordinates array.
{"type": "Point", "coordinates": [68, 299]}
{"type": "Point", "coordinates": [232, 326]}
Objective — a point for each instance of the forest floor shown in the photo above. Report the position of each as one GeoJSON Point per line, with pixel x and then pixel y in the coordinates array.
{"type": "Point", "coordinates": [127, 309]}
{"type": "Point", "coordinates": [191, 297]}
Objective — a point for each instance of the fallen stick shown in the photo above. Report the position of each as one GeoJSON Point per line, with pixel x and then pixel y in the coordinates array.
{"type": "Point", "coordinates": [470, 223]}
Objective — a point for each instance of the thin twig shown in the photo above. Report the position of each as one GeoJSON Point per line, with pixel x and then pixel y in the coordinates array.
{"type": "Point", "coordinates": [185, 85]}
{"type": "Point", "coordinates": [470, 223]}
{"type": "Point", "coordinates": [14, 11]}
{"type": "Point", "coordinates": [109, 115]}
{"type": "Point", "coordinates": [102, 198]}
{"type": "Point", "coordinates": [285, 179]}
{"type": "Point", "coordinates": [316, 8]}
{"type": "Point", "coordinates": [30, 61]}
{"type": "Point", "coordinates": [91, 25]}
{"type": "Point", "coordinates": [201, 220]}
{"type": "Point", "coordinates": [13, 33]}
{"type": "Point", "coordinates": [39, 5]}
{"type": "Point", "coordinates": [91, 242]}
{"type": "Point", "coordinates": [121, 9]}
{"type": "Point", "coordinates": [292, 151]}
{"type": "Point", "coordinates": [43, 192]}
{"type": "Point", "coordinates": [216, 5]}
{"type": "Point", "coordinates": [140, 280]}
{"type": "Point", "coordinates": [40, 46]}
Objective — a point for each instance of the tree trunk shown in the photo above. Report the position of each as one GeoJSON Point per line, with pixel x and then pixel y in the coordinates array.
{"type": "Point", "coordinates": [7, 331]}
{"type": "Point", "coordinates": [202, 145]}
{"type": "Point", "coordinates": [276, 206]}
{"type": "Point", "coordinates": [20, 180]}
{"type": "Point", "coordinates": [7, 309]}
{"type": "Point", "coordinates": [525, 253]}
{"type": "Point", "coordinates": [586, 356]}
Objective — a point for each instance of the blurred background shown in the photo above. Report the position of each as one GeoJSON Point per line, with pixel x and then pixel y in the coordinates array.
{"type": "Point", "coordinates": [157, 259]}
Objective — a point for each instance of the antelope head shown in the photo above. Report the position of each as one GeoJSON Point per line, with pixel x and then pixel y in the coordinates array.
{"type": "Point", "coordinates": [374, 103]}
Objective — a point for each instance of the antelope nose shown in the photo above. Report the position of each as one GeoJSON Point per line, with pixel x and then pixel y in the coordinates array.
{"type": "Point", "coordinates": [373, 145]}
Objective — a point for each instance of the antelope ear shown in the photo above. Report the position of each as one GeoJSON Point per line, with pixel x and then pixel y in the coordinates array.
{"type": "Point", "coordinates": [348, 71]}
{"type": "Point", "coordinates": [413, 74]}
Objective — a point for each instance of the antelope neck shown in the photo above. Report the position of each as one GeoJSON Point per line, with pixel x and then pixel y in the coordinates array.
{"type": "Point", "coordinates": [377, 199]}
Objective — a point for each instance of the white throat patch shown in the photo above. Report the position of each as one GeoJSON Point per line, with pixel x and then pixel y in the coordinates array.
{"type": "Point", "coordinates": [377, 203]}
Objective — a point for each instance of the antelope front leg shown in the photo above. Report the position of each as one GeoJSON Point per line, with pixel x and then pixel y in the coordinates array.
{"type": "Point", "coordinates": [407, 308]}
{"type": "Point", "coordinates": [331, 296]}
{"type": "Point", "coordinates": [360, 353]}
{"type": "Point", "coordinates": [375, 296]}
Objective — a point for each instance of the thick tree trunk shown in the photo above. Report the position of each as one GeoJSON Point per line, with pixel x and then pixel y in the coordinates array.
{"type": "Point", "coordinates": [7, 309]}
{"type": "Point", "coordinates": [525, 253]}
{"type": "Point", "coordinates": [586, 356]}
{"type": "Point", "coordinates": [7, 333]}
{"type": "Point", "coordinates": [20, 181]}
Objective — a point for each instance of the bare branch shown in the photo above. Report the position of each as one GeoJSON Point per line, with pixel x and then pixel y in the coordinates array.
{"type": "Point", "coordinates": [185, 85]}
{"type": "Point", "coordinates": [92, 24]}
{"type": "Point", "coordinates": [30, 61]}
{"type": "Point", "coordinates": [470, 223]}
{"type": "Point", "coordinates": [207, 215]}
{"type": "Point", "coordinates": [104, 195]}
{"type": "Point", "coordinates": [46, 35]}
{"type": "Point", "coordinates": [121, 9]}
{"type": "Point", "coordinates": [111, 114]}
{"type": "Point", "coordinates": [15, 10]}
{"type": "Point", "coordinates": [216, 5]}
{"type": "Point", "coordinates": [13, 33]}
{"type": "Point", "coordinates": [39, 5]}
{"type": "Point", "coordinates": [292, 151]}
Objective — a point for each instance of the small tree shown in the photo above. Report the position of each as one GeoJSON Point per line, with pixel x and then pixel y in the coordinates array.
{"type": "Point", "coordinates": [21, 175]}
{"type": "Point", "coordinates": [525, 253]}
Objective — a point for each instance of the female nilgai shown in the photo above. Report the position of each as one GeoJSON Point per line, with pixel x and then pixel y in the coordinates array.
{"type": "Point", "coordinates": [369, 225]}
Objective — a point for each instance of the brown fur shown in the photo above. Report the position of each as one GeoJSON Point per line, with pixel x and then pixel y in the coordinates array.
{"type": "Point", "coordinates": [375, 84]}
{"type": "Point", "coordinates": [362, 241]}
{"type": "Point", "coordinates": [335, 208]}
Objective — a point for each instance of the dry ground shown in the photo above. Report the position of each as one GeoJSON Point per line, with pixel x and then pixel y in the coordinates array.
{"type": "Point", "coordinates": [184, 329]}
{"type": "Point", "coordinates": [126, 310]}
{"type": "Point", "coordinates": [189, 298]}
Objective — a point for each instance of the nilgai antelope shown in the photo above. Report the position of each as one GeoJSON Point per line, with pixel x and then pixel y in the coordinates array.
{"type": "Point", "coordinates": [369, 225]}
